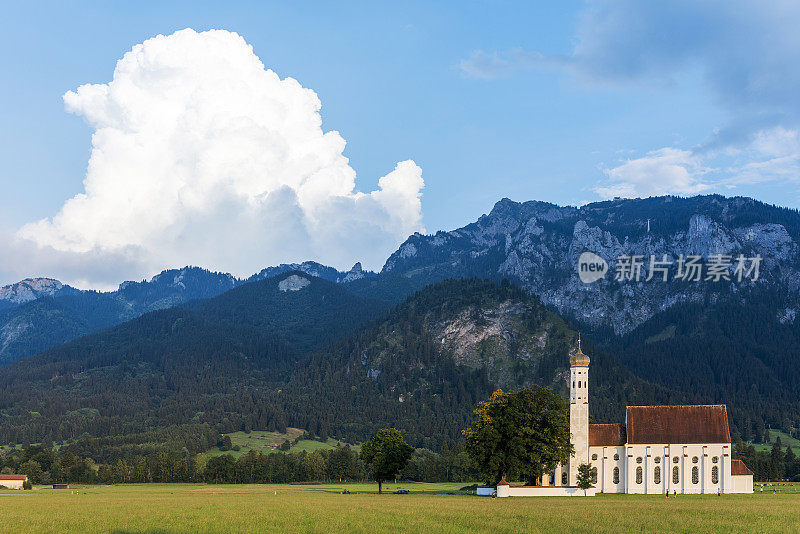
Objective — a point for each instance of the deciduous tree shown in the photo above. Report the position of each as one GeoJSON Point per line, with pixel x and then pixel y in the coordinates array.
{"type": "Point", "coordinates": [584, 477]}
{"type": "Point", "coordinates": [387, 454]}
{"type": "Point", "coordinates": [519, 434]}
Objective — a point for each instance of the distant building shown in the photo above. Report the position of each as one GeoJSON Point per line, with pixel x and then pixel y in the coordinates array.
{"type": "Point", "coordinates": [659, 449]}
{"type": "Point", "coordinates": [13, 481]}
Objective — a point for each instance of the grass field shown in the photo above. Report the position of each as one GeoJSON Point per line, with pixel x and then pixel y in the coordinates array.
{"type": "Point", "coordinates": [786, 439]}
{"type": "Point", "coordinates": [263, 441]}
{"type": "Point", "coordinates": [323, 508]}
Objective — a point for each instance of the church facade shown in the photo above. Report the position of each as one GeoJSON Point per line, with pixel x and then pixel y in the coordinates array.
{"type": "Point", "coordinates": [657, 450]}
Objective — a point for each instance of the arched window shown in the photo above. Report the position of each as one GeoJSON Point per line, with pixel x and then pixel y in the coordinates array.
{"type": "Point", "coordinates": [657, 459]}
{"type": "Point", "coordinates": [594, 457]}
{"type": "Point", "coordinates": [594, 475]}
{"type": "Point", "coordinates": [694, 459]}
{"type": "Point", "coordinates": [638, 475]}
{"type": "Point", "coordinates": [616, 457]}
{"type": "Point", "coordinates": [564, 478]}
{"type": "Point", "coordinates": [657, 475]}
{"type": "Point", "coordinates": [695, 475]}
{"type": "Point", "coordinates": [616, 475]}
{"type": "Point", "coordinates": [552, 479]}
{"type": "Point", "coordinates": [714, 459]}
{"type": "Point", "coordinates": [675, 476]}
{"type": "Point", "coordinates": [675, 460]}
{"type": "Point", "coordinates": [638, 459]}
{"type": "Point", "coordinates": [714, 474]}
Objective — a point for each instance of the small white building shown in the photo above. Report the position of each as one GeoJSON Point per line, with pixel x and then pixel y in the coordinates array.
{"type": "Point", "coordinates": [13, 481]}
{"type": "Point", "coordinates": [659, 449]}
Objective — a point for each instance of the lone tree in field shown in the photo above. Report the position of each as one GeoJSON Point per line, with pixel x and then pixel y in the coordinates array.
{"type": "Point", "coordinates": [387, 454]}
{"type": "Point", "coordinates": [584, 477]}
{"type": "Point", "coordinates": [519, 434]}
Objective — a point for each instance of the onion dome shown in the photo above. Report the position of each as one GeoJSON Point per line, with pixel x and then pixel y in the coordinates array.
{"type": "Point", "coordinates": [579, 359]}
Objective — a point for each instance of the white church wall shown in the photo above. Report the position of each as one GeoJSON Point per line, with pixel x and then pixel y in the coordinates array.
{"type": "Point", "coordinates": [677, 468]}
{"type": "Point", "coordinates": [742, 483]}
{"type": "Point", "coordinates": [605, 459]}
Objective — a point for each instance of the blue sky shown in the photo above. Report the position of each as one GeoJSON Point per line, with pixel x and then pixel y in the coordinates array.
{"type": "Point", "coordinates": [565, 102]}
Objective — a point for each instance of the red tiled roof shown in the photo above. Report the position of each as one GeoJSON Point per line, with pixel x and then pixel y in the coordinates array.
{"type": "Point", "coordinates": [739, 468]}
{"type": "Point", "coordinates": [13, 477]}
{"type": "Point", "coordinates": [613, 434]}
{"type": "Point", "coordinates": [678, 424]}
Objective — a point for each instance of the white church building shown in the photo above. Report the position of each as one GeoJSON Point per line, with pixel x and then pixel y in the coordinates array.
{"type": "Point", "coordinates": [657, 450]}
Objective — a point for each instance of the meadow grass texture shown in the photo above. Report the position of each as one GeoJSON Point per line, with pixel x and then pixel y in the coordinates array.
{"type": "Point", "coordinates": [323, 508]}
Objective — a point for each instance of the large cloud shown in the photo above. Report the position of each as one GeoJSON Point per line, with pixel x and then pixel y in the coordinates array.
{"type": "Point", "coordinates": [200, 155]}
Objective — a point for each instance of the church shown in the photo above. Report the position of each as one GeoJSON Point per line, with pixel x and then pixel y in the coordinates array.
{"type": "Point", "coordinates": [657, 450]}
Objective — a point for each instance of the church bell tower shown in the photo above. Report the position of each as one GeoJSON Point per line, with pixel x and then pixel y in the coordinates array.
{"type": "Point", "coordinates": [578, 411]}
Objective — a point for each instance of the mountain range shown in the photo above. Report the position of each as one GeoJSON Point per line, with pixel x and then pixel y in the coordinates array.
{"type": "Point", "coordinates": [663, 339]}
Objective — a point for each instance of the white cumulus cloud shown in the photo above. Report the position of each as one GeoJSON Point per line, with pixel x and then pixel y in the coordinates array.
{"type": "Point", "coordinates": [201, 155]}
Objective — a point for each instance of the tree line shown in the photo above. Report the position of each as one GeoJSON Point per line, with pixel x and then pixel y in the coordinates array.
{"type": "Point", "coordinates": [341, 464]}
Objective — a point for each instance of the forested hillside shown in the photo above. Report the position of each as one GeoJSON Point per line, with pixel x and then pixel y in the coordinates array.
{"type": "Point", "coordinates": [219, 362]}
{"type": "Point", "coordinates": [426, 365]}
{"type": "Point", "coordinates": [234, 363]}
{"type": "Point", "coordinates": [306, 311]}
{"type": "Point", "coordinates": [734, 350]}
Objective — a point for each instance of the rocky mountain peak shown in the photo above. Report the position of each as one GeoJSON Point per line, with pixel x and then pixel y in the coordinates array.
{"type": "Point", "coordinates": [537, 245]}
{"type": "Point", "coordinates": [356, 273]}
{"type": "Point", "coordinates": [30, 289]}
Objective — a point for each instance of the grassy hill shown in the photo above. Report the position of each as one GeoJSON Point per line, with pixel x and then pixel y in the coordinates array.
{"type": "Point", "coordinates": [786, 440]}
{"type": "Point", "coordinates": [267, 442]}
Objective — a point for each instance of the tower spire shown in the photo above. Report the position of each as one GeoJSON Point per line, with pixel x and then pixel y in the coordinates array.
{"type": "Point", "coordinates": [579, 358]}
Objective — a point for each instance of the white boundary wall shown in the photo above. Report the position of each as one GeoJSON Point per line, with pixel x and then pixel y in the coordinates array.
{"type": "Point", "coordinates": [543, 491]}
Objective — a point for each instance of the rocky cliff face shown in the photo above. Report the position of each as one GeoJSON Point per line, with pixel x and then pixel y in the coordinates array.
{"type": "Point", "coordinates": [511, 340]}
{"type": "Point", "coordinates": [538, 245]}
{"type": "Point", "coordinates": [31, 289]}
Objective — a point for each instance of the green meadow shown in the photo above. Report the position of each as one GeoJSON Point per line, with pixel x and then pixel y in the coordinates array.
{"type": "Point", "coordinates": [786, 440]}
{"type": "Point", "coordinates": [429, 508]}
{"type": "Point", "coordinates": [265, 442]}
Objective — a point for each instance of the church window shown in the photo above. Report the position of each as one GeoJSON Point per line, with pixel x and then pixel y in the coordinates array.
{"type": "Point", "coordinates": [579, 383]}
{"type": "Point", "coordinates": [564, 478]}
{"type": "Point", "coordinates": [675, 476]}
{"type": "Point", "coordinates": [616, 475]}
{"type": "Point", "coordinates": [657, 475]}
{"type": "Point", "coordinates": [594, 457]}
{"type": "Point", "coordinates": [675, 460]}
{"type": "Point", "coordinates": [638, 459]}
{"type": "Point", "coordinates": [657, 459]}
{"type": "Point", "coordinates": [616, 457]}
{"type": "Point", "coordinates": [714, 459]}
{"type": "Point", "coordinates": [714, 474]}
{"type": "Point", "coordinates": [694, 459]}
{"type": "Point", "coordinates": [552, 479]}
{"type": "Point", "coordinates": [594, 475]}
{"type": "Point", "coordinates": [638, 475]}
{"type": "Point", "coordinates": [695, 475]}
